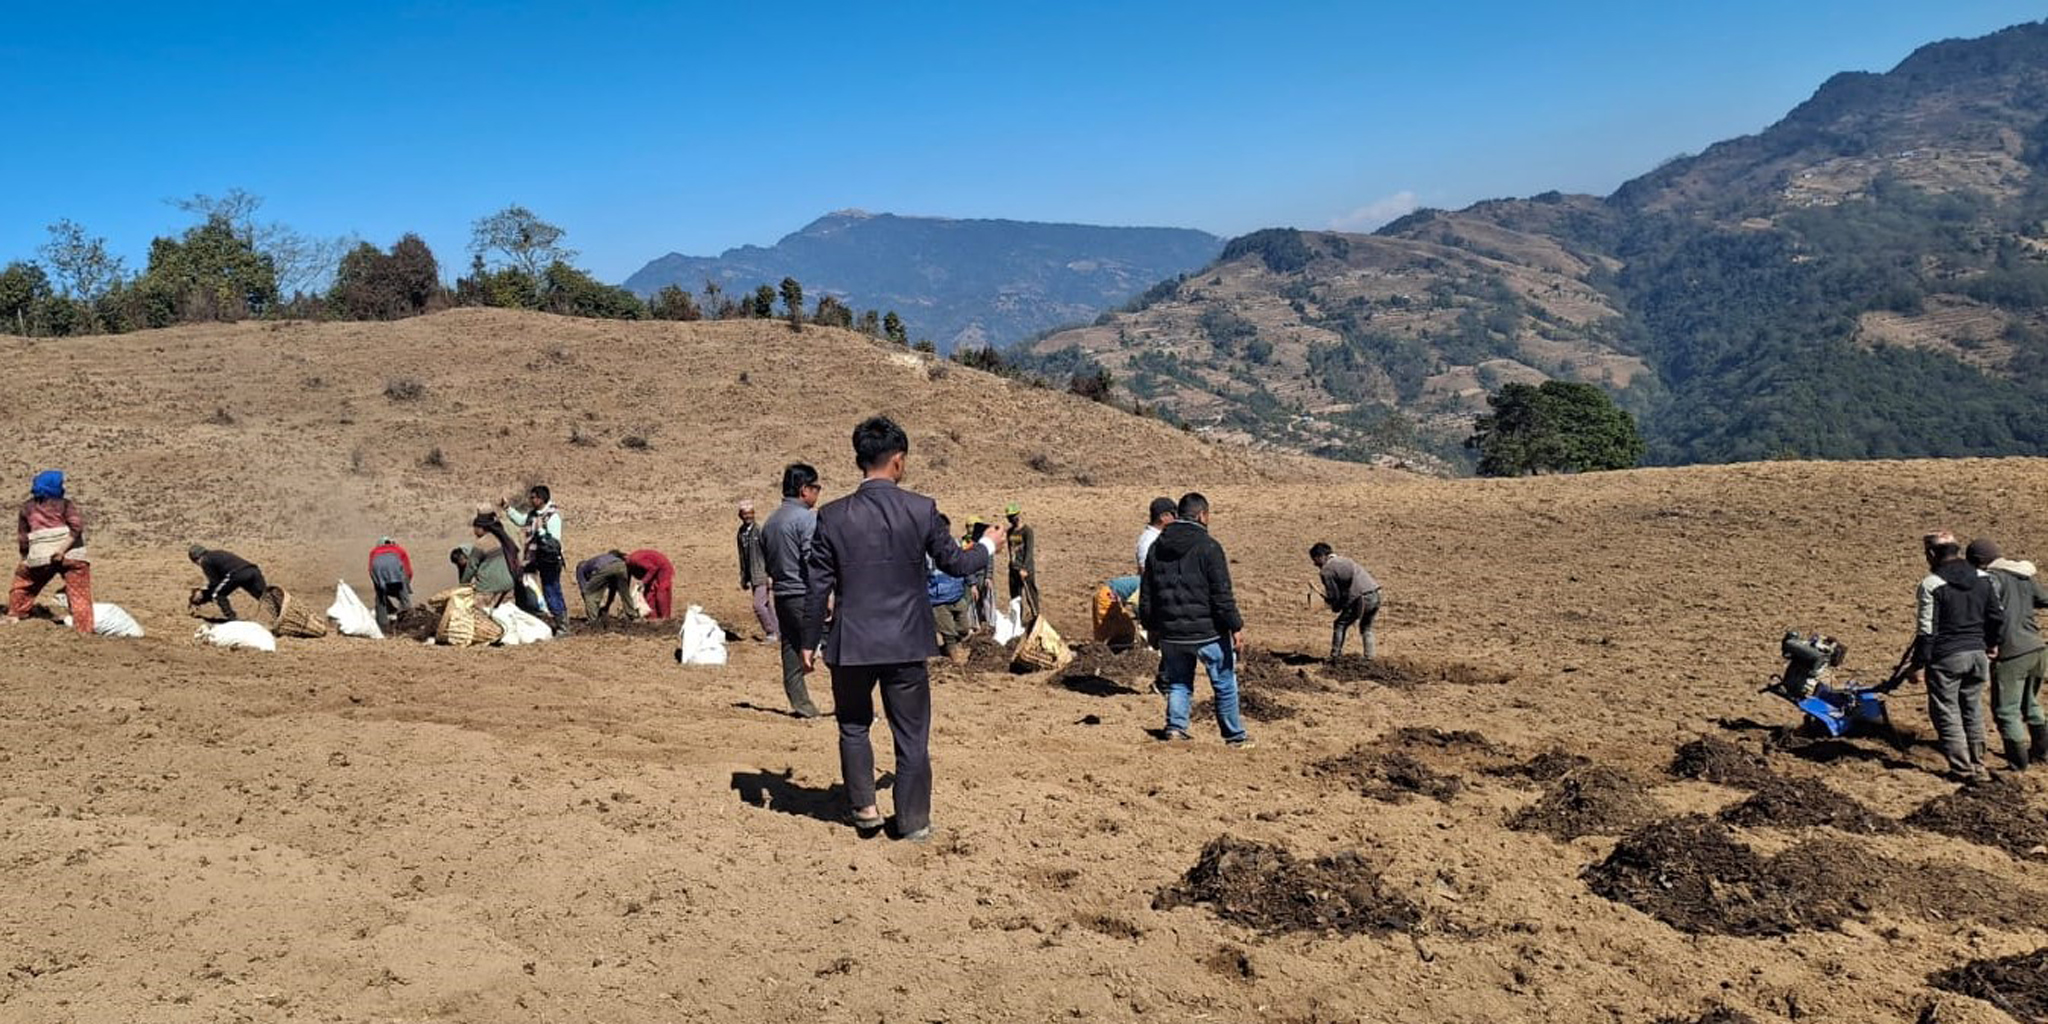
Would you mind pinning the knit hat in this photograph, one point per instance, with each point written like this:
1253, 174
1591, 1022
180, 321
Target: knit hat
747, 506
195, 551
1982, 552
383, 540
1013, 509
48, 484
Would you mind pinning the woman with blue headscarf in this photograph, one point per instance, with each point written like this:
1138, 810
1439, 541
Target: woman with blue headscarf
51, 535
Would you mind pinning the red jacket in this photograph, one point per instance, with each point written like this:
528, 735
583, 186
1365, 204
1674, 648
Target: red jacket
392, 549
652, 566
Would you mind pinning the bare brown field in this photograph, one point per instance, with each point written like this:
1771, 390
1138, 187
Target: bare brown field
583, 831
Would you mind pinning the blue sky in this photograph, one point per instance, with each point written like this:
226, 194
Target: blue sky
644, 128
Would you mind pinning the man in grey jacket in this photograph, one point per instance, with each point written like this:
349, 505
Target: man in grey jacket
785, 546
2022, 656
1352, 593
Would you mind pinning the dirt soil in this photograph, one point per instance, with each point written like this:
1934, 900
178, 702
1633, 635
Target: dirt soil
1717, 1015
1402, 764
1806, 803
1693, 875
1548, 766
1403, 672
2006, 815
2017, 984
1264, 887
1596, 800
1712, 759
585, 831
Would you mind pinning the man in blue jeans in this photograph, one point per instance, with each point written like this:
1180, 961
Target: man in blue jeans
1191, 615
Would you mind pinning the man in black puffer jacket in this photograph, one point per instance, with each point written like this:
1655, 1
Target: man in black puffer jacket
1960, 623
1190, 614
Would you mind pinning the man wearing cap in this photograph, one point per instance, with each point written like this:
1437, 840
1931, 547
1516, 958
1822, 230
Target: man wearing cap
1157, 518
1023, 564
2022, 659
1959, 626
391, 578
754, 572
50, 532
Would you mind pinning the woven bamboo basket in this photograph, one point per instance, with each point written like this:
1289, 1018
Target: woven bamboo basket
487, 630
301, 621
270, 611
458, 625
1042, 650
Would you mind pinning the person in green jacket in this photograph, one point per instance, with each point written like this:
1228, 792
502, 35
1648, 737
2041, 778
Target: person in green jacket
2022, 660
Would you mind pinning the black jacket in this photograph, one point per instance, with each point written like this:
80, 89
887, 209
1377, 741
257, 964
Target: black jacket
219, 565
1184, 595
1959, 612
870, 550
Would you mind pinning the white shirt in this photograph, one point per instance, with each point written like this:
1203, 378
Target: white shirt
1145, 542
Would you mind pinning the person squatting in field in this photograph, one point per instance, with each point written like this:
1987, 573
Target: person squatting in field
226, 573
391, 579
657, 576
50, 533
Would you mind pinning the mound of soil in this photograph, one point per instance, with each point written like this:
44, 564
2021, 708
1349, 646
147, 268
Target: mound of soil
1717, 1015
1267, 670
416, 623
1999, 815
1406, 673
2016, 984
985, 655
1691, 874
1265, 888
1598, 800
1392, 776
1133, 667
1251, 704
1932, 890
1710, 759
1548, 766
1785, 803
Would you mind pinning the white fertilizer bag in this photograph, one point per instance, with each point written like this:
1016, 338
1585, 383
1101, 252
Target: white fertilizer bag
1009, 626
111, 620
519, 627
352, 617
701, 641
246, 636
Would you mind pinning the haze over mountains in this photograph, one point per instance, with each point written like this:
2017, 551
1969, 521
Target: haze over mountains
1865, 278
956, 282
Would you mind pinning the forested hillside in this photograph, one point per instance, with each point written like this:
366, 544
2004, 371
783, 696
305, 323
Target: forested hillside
1866, 278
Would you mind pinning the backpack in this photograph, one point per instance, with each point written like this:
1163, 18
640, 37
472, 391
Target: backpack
545, 553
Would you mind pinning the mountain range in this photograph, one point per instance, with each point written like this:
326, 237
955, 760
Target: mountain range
1868, 277
955, 282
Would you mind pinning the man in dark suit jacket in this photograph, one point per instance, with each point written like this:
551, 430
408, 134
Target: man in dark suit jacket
870, 550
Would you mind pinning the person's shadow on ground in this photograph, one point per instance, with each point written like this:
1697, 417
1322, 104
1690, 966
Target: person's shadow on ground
778, 792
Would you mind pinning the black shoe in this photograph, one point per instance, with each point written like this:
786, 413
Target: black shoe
2015, 755
922, 835
1169, 735
2039, 750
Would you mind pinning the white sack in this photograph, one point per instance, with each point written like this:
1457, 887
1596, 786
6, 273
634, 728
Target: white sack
238, 636
1009, 626
111, 620
519, 627
352, 617
701, 640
